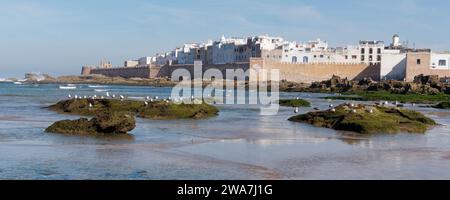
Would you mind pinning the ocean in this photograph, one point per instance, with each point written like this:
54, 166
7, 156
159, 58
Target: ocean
237, 144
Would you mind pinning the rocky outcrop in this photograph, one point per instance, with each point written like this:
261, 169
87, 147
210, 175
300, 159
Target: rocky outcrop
151, 110
294, 103
103, 123
442, 105
430, 85
367, 119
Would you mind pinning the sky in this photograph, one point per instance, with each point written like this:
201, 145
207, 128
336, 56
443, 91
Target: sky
58, 37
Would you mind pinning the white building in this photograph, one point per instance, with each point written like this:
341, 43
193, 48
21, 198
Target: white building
131, 63
145, 61
393, 65
371, 51
440, 60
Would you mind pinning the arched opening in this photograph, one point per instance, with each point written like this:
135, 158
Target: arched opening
294, 59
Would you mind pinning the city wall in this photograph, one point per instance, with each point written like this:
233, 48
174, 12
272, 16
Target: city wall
308, 73
305, 73
125, 72
167, 70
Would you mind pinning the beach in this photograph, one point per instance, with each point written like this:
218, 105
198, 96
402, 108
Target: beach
237, 144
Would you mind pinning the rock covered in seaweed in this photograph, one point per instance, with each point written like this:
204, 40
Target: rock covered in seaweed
153, 110
294, 103
366, 119
103, 123
442, 105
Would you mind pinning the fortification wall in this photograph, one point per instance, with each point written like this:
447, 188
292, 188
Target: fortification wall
308, 73
127, 72
166, 71
305, 73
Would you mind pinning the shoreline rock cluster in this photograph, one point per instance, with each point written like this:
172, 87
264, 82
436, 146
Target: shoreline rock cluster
102, 123
366, 119
426, 85
117, 116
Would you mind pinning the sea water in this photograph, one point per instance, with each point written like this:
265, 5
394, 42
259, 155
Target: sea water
237, 144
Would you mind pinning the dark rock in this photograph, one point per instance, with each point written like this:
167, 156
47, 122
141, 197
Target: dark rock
294, 103
366, 119
426, 79
365, 81
103, 123
154, 110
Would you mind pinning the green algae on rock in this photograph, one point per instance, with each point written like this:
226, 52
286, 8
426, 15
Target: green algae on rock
294, 103
442, 105
366, 119
103, 123
153, 110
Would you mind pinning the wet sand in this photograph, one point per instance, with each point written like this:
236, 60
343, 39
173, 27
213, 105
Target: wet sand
237, 144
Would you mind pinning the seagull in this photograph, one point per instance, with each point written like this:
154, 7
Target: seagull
85, 97
353, 111
70, 96
156, 97
331, 106
371, 111
122, 97
113, 96
76, 96
147, 98
145, 103
333, 110
296, 110
90, 105
95, 96
107, 94
298, 98
102, 97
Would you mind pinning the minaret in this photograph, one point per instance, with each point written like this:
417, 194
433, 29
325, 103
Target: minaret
396, 41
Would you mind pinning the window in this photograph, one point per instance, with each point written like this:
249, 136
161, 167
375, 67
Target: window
363, 51
363, 58
370, 58
305, 59
294, 59
354, 57
419, 61
442, 62
378, 58
370, 51
346, 57
321, 56
379, 50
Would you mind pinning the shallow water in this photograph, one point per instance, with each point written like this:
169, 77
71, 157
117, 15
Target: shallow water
237, 144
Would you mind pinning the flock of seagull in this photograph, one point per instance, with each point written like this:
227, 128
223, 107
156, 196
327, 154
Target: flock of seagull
122, 98
156, 98
352, 105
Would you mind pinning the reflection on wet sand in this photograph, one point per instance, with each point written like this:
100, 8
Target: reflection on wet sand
239, 143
